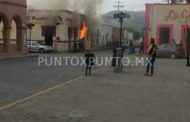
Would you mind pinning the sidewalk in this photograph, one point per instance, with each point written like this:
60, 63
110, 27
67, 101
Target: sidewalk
109, 97
16, 56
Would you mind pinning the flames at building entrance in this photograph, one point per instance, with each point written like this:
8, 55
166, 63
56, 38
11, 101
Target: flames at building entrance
84, 31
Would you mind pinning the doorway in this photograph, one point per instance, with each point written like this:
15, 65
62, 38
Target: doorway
49, 33
164, 34
184, 32
185, 36
49, 38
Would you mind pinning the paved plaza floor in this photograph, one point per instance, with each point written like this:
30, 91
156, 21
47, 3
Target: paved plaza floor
109, 97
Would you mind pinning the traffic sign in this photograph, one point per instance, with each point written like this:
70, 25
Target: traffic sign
121, 15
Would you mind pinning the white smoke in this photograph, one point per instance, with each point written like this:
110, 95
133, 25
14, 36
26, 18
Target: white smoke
88, 7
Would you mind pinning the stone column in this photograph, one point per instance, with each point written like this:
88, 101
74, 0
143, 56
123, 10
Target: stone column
19, 39
22, 40
6, 38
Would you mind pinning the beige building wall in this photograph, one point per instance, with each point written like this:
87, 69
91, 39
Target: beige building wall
174, 15
104, 36
46, 18
72, 20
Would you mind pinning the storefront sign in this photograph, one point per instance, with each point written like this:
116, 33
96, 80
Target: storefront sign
176, 15
58, 20
38, 19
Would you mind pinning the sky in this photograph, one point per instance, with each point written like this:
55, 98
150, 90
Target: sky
130, 5
107, 5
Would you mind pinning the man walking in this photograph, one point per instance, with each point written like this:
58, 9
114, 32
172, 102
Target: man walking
89, 59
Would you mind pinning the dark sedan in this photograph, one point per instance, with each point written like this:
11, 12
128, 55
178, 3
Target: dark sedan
170, 51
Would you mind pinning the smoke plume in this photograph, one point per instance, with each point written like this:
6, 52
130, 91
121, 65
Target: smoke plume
87, 7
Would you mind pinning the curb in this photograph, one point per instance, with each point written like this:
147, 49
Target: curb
18, 57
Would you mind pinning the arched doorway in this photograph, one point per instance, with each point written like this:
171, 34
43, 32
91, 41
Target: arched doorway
3, 33
16, 40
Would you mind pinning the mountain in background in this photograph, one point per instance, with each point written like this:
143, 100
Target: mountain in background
136, 20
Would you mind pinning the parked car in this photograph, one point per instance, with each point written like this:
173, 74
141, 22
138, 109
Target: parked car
170, 51
34, 46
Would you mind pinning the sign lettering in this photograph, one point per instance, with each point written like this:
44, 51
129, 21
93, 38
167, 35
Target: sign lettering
176, 15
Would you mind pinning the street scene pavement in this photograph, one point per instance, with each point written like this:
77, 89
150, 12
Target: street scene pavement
21, 77
94, 61
64, 94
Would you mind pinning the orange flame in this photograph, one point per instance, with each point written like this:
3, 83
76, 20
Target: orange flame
84, 30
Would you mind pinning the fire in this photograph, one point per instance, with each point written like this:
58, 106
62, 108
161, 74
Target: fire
84, 30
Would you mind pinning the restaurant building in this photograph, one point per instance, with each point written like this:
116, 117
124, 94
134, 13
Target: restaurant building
67, 31
166, 22
55, 28
13, 26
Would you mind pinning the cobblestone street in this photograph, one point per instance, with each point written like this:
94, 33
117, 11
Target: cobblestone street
109, 97
94, 61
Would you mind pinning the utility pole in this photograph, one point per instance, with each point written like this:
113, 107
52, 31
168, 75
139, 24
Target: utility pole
121, 16
118, 5
118, 52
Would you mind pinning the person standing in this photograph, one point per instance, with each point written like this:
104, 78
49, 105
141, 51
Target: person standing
141, 49
173, 44
151, 57
89, 59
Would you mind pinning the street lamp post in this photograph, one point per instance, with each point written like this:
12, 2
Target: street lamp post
121, 16
30, 26
118, 52
121, 30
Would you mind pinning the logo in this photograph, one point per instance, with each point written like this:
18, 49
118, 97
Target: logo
58, 20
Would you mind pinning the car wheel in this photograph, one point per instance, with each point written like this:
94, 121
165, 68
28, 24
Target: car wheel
41, 51
173, 56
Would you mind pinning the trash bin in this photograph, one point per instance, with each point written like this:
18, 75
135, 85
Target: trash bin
119, 55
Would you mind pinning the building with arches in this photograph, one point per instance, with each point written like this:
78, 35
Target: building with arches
13, 26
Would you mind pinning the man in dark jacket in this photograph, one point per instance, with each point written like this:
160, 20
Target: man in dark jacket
89, 59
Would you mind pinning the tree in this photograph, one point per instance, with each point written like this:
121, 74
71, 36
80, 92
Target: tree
187, 1
175, 1
136, 34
